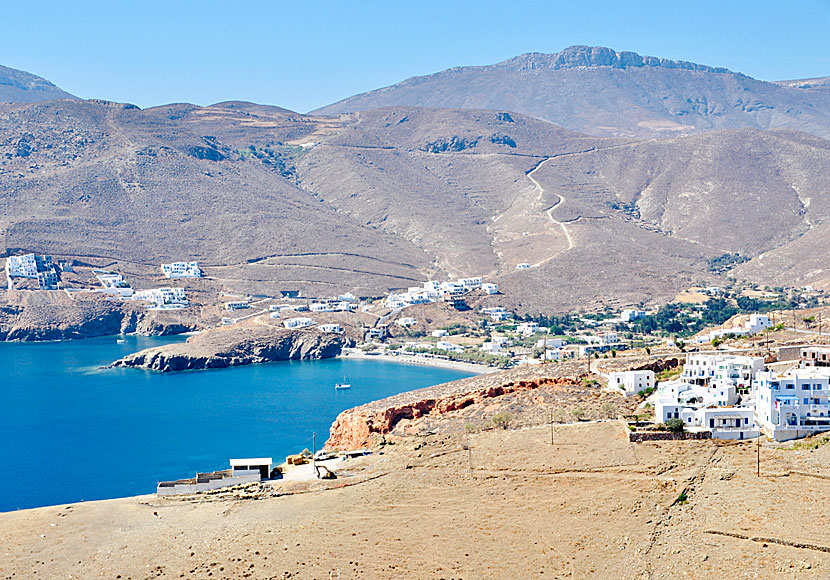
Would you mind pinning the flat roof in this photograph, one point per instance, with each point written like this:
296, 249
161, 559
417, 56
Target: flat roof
251, 461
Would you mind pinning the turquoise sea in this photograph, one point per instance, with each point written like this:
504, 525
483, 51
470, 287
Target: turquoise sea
70, 431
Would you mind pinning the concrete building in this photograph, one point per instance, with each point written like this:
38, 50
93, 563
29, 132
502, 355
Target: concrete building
163, 297
241, 471
706, 409
793, 404
704, 369
489, 288
632, 315
331, 328
33, 267
406, 322
299, 322
550, 343
631, 382
182, 270
815, 356
439, 333
237, 305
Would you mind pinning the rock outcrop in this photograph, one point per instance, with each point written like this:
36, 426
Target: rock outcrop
355, 427
27, 316
235, 346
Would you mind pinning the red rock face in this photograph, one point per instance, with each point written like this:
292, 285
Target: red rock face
353, 427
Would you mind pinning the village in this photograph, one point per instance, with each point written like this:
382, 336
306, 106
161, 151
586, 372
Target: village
725, 388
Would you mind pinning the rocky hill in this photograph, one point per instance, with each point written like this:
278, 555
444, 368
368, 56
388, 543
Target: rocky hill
600, 91
22, 87
270, 200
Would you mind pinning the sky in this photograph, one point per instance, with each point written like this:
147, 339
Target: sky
304, 54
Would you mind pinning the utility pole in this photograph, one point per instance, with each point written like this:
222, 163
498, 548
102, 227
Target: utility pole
551, 427
758, 459
314, 452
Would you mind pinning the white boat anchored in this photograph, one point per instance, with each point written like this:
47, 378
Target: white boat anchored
346, 384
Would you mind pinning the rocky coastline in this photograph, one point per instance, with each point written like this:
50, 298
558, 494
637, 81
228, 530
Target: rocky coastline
235, 346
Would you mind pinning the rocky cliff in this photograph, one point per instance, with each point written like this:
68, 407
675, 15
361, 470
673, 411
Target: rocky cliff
355, 427
34, 316
237, 345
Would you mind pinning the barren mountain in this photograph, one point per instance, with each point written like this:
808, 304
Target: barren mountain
269, 200
22, 87
599, 91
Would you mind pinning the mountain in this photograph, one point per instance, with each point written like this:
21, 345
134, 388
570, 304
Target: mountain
270, 200
599, 91
22, 87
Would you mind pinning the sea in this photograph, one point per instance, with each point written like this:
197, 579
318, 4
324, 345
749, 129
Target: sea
72, 431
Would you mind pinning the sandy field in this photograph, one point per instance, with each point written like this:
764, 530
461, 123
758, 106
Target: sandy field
581, 502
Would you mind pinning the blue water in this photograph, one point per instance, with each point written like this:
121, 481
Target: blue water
70, 431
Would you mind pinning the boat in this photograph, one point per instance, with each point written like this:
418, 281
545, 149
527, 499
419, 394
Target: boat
346, 384
120, 340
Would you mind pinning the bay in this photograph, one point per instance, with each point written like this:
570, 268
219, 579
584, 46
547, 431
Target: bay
70, 431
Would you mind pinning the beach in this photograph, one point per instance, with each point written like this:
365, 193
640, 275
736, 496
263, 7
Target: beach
422, 360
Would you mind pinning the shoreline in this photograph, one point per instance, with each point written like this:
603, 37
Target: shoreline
421, 361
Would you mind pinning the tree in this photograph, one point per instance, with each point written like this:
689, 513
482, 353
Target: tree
560, 415
578, 413
675, 425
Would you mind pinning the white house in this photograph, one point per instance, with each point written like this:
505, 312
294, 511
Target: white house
347, 297
275, 314
406, 322
237, 305
470, 283
528, 328
113, 283
756, 323
793, 404
321, 307
182, 270
448, 346
439, 333
490, 288
331, 328
36, 267
500, 316
705, 408
550, 343
491, 347
299, 322
703, 369
631, 315
631, 382
162, 296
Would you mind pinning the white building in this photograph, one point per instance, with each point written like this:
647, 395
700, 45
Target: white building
704, 369
299, 322
756, 323
347, 297
631, 382
113, 283
490, 288
237, 305
275, 314
603, 338
35, 267
321, 307
491, 347
406, 322
705, 408
500, 316
793, 404
522, 266
448, 346
631, 315
528, 328
470, 283
161, 297
182, 270
331, 328
550, 343
439, 333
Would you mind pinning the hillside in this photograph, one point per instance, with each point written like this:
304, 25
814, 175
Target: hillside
270, 200
22, 87
602, 92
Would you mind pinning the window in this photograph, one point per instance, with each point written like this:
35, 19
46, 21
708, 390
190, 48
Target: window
805, 386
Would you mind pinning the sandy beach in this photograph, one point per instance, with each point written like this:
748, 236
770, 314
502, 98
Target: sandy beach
421, 360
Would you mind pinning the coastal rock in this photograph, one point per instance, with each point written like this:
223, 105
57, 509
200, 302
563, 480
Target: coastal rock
27, 316
353, 428
235, 346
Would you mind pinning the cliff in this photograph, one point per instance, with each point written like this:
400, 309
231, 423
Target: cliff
526, 392
237, 345
35, 316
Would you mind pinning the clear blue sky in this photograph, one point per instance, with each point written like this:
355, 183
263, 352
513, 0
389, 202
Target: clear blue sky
305, 54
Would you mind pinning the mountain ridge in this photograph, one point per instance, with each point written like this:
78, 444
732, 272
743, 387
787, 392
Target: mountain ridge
25, 87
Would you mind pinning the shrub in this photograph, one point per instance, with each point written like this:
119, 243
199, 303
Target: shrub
578, 413
609, 409
502, 419
675, 425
